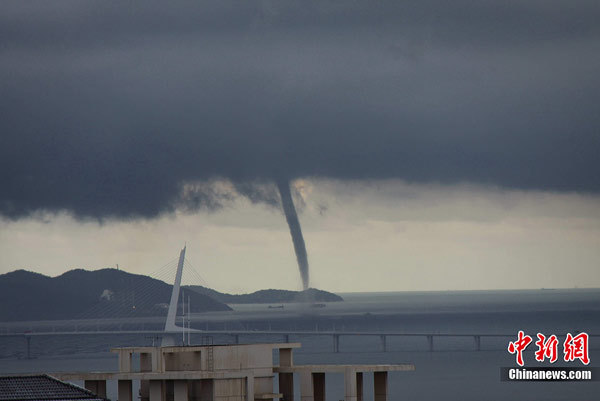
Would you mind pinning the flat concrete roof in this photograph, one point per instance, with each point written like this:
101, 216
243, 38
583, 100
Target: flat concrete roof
227, 374
169, 375
192, 348
343, 368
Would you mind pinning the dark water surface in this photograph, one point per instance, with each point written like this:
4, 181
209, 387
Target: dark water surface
453, 371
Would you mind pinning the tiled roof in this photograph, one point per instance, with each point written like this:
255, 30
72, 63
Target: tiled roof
41, 388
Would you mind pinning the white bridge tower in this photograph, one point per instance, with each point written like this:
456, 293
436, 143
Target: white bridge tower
172, 314
170, 327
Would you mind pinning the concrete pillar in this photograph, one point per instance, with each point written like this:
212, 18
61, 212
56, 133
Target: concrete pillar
124, 390
383, 338
286, 357
350, 393
306, 386
250, 388
124, 361
430, 342
180, 390
163, 362
156, 390
478, 343
97, 387
380, 386
319, 386
157, 360
28, 339
286, 386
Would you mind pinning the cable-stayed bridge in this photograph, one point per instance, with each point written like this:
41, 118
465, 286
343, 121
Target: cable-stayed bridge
188, 328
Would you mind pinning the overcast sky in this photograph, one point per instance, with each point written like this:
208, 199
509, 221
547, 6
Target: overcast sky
431, 144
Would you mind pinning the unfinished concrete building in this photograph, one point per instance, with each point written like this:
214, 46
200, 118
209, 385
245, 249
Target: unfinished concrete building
238, 372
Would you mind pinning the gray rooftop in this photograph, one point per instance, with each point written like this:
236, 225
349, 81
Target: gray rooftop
41, 388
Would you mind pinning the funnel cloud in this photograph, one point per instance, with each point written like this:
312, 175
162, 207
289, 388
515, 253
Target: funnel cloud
295, 230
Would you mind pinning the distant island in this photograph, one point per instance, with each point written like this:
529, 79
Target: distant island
269, 296
106, 293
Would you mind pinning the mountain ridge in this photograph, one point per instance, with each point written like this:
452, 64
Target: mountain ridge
79, 293
106, 293
268, 296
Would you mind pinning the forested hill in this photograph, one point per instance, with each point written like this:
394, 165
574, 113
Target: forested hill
107, 293
269, 296
26, 295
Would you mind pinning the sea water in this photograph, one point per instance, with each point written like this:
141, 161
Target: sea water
454, 370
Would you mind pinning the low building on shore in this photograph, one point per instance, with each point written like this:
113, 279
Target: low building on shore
236, 372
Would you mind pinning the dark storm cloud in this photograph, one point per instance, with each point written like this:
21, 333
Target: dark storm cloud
108, 109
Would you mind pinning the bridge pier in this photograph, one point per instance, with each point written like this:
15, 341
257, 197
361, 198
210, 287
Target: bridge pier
336, 343
28, 339
430, 342
383, 338
477, 343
